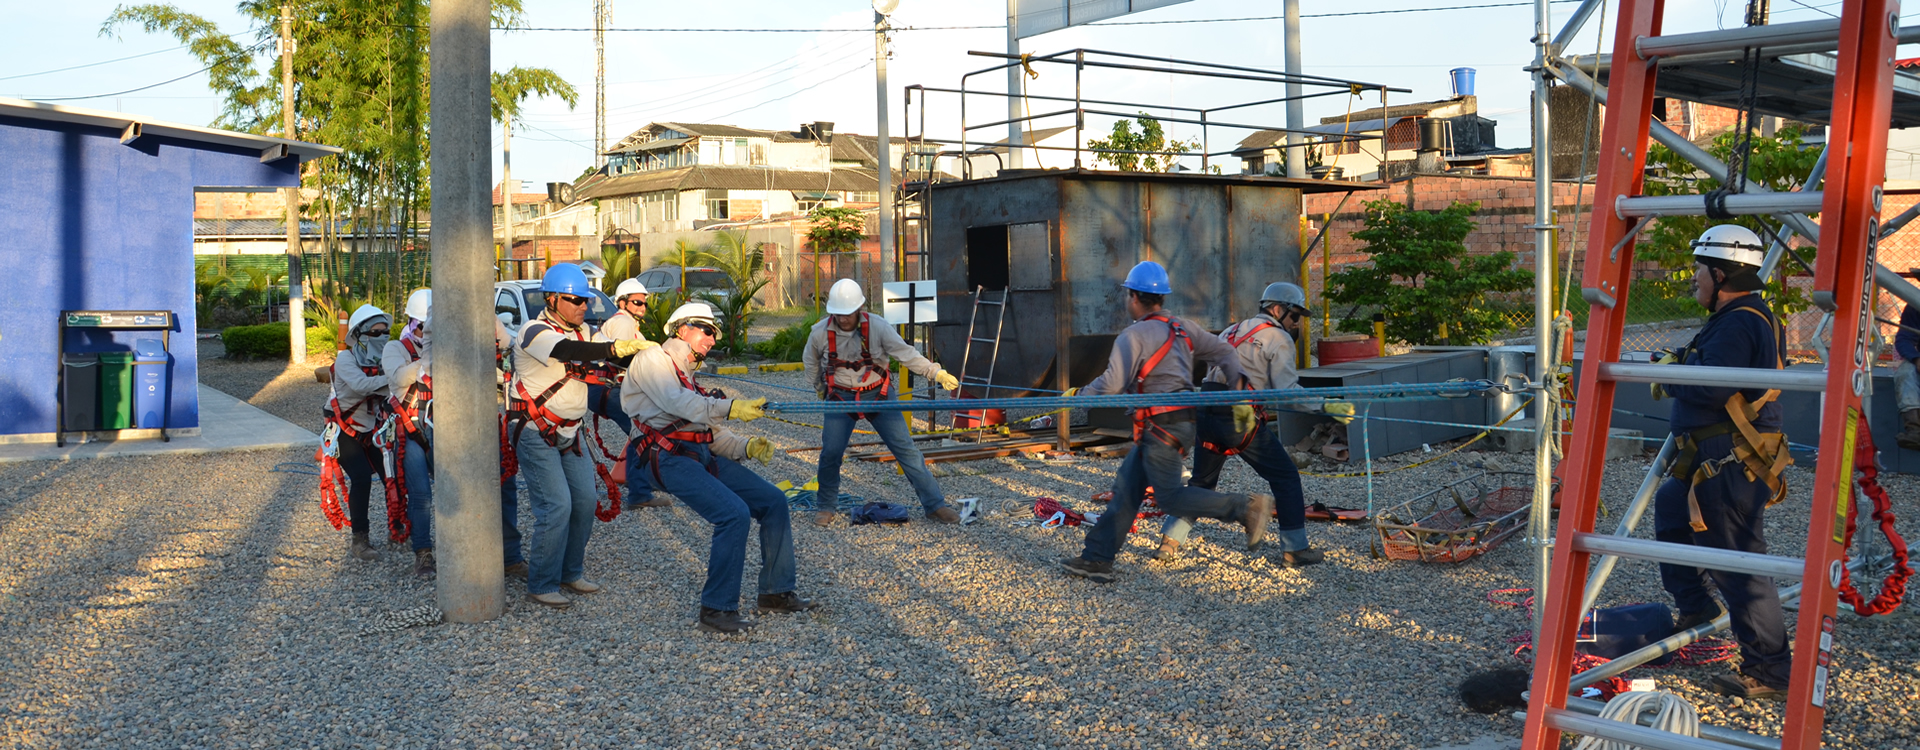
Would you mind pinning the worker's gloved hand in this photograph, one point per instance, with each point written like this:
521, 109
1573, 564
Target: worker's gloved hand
630, 347
747, 409
1071, 391
946, 381
1666, 358
820, 392
760, 449
1244, 419
1341, 411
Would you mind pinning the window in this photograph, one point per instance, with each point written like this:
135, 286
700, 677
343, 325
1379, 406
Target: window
853, 197
987, 257
716, 204
503, 305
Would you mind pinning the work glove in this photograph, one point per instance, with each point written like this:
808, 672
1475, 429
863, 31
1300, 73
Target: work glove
1244, 419
630, 347
946, 381
1071, 391
1341, 411
760, 449
747, 409
1665, 358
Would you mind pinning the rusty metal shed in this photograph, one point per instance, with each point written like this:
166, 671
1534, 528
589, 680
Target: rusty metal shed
1061, 241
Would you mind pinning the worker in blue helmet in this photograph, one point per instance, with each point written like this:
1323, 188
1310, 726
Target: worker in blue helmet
1726, 472
1156, 355
546, 401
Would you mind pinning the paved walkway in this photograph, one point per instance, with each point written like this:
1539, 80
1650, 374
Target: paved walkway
226, 424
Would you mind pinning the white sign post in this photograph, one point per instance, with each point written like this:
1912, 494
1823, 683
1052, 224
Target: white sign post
910, 303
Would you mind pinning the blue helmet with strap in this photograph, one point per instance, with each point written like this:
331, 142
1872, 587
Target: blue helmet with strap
1147, 276
566, 278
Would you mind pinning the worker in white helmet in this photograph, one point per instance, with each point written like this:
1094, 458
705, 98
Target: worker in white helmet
687, 452
846, 360
1265, 345
630, 301
356, 409
1727, 469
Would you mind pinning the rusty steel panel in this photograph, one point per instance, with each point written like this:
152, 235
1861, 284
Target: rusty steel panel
1263, 227
1101, 236
1187, 233
1027, 342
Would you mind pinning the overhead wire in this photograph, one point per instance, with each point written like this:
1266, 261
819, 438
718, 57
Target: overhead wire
722, 89
247, 50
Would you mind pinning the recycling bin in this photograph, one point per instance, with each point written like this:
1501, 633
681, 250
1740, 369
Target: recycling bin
80, 399
116, 390
150, 360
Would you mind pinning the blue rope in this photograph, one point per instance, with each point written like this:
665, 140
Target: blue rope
809, 500
296, 467
1530, 430
1366, 450
1395, 392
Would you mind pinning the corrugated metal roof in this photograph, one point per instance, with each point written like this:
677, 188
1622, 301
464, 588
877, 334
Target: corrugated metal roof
654, 145
732, 178
31, 110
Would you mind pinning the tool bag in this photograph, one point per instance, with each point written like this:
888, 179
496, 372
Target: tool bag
1613, 632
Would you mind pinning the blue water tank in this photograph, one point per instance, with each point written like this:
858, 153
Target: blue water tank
1462, 81
150, 360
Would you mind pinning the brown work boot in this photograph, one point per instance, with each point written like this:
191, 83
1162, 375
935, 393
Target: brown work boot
788, 602
1259, 511
653, 502
1302, 557
824, 518
361, 548
517, 570
722, 621
1743, 686
1169, 549
423, 567
945, 514
1909, 437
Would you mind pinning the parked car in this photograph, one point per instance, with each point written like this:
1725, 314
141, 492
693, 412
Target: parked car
695, 281
516, 302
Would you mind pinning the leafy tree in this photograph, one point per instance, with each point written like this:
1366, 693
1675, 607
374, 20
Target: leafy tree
745, 266
514, 86
835, 230
1780, 163
1161, 154
1422, 277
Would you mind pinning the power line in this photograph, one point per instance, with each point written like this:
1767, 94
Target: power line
862, 66
245, 51
93, 64
775, 68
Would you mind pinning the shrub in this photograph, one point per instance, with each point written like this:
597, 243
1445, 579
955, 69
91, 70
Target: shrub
789, 343
1423, 278
270, 341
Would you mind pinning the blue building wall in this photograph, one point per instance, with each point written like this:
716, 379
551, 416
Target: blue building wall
89, 223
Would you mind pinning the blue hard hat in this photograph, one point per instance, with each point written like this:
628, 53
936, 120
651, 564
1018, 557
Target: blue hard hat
1147, 276
566, 278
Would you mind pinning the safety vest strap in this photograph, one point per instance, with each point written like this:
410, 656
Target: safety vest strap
865, 364
1236, 338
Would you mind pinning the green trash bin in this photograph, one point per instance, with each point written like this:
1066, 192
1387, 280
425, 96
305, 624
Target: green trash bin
116, 390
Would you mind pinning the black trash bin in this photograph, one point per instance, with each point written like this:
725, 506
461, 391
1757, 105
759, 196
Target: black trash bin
80, 401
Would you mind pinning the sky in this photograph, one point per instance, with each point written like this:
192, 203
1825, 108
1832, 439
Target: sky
824, 69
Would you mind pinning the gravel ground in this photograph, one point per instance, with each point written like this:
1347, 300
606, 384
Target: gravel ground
204, 602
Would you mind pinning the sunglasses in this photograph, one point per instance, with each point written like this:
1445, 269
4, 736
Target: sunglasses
634, 301
378, 332
706, 329
572, 300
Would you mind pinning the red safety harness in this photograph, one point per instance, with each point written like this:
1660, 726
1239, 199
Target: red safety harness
867, 365
1143, 416
524, 407
672, 438
333, 478
1235, 338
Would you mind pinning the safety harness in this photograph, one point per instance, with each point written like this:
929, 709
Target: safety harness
1763, 455
1235, 338
333, 477
1143, 416
673, 437
524, 407
866, 365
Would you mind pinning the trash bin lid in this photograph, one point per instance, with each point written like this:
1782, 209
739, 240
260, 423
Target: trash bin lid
80, 359
149, 349
116, 358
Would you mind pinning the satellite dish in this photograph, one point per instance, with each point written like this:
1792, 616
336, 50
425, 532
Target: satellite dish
885, 7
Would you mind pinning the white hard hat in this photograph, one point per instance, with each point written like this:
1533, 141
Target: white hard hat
1284, 293
419, 303
365, 316
1731, 242
692, 312
630, 286
845, 298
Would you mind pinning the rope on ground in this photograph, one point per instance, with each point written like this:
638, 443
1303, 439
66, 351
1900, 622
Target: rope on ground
1672, 713
296, 467
809, 500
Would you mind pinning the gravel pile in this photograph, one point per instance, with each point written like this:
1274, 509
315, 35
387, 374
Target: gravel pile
203, 601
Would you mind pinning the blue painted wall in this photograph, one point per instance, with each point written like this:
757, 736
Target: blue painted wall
89, 223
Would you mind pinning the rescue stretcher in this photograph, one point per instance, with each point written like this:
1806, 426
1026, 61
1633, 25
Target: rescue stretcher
1457, 521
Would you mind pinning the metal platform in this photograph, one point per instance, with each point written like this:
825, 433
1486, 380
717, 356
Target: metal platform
1796, 87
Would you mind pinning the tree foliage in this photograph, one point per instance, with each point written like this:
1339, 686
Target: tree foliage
1422, 278
836, 229
1161, 155
1779, 163
513, 87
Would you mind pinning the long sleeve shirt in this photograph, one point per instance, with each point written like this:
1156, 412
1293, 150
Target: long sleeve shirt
1907, 343
1139, 341
652, 394
1266, 357
882, 343
359, 390
621, 327
403, 368
537, 367
1742, 333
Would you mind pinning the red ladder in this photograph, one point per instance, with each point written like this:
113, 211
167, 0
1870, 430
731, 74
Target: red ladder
1849, 209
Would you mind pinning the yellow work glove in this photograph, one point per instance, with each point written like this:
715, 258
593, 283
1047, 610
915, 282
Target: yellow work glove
747, 409
1071, 391
760, 449
630, 347
1244, 420
1665, 358
1339, 410
946, 381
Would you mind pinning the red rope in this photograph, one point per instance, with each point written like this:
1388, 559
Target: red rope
611, 510
1894, 588
509, 460
1044, 508
399, 525
332, 478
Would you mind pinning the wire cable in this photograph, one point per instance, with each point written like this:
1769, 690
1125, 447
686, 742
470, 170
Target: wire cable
246, 51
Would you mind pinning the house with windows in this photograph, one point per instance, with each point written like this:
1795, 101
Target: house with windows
1354, 146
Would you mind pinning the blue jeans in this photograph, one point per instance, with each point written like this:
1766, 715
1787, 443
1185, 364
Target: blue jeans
605, 401
1906, 385
731, 498
419, 464
1155, 463
1268, 459
892, 426
1734, 510
560, 484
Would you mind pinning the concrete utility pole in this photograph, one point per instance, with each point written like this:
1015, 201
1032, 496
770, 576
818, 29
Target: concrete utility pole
471, 586
600, 83
1540, 522
1015, 135
296, 297
883, 144
1296, 110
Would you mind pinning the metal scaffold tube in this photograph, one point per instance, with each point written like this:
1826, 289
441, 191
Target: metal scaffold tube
1741, 204
1539, 519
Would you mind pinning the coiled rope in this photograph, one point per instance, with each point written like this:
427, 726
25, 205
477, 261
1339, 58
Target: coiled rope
1672, 713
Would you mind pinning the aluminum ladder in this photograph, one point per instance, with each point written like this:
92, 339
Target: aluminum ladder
984, 383
1865, 38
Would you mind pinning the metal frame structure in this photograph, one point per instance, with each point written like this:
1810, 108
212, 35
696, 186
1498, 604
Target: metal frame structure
1845, 275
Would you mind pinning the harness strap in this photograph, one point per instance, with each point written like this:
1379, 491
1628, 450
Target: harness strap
865, 364
1143, 416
